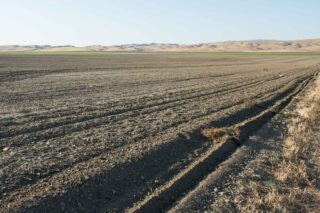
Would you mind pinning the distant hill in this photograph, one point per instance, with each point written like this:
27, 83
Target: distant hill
310, 45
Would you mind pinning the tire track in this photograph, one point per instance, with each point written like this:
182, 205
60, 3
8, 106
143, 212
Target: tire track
164, 196
74, 197
95, 161
58, 168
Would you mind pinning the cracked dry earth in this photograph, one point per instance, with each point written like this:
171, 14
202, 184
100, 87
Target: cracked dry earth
104, 133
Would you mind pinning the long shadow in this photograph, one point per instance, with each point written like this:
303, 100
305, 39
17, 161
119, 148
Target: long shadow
169, 195
226, 176
125, 184
120, 184
234, 118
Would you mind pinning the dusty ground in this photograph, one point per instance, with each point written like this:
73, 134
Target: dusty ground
275, 170
286, 179
118, 132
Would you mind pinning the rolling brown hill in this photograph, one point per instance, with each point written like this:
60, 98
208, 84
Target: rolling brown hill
310, 45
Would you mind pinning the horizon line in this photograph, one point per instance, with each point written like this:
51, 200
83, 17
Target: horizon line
164, 43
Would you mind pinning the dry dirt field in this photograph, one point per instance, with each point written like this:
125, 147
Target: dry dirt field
116, 132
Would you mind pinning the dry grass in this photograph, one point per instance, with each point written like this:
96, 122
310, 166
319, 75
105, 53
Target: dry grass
213, 133
288, 180
251, 102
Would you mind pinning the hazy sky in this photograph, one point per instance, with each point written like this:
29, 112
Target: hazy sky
79, 22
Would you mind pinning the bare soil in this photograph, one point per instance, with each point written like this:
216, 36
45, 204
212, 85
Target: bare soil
123, 131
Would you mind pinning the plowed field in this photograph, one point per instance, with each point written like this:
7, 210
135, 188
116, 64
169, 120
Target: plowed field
121, 132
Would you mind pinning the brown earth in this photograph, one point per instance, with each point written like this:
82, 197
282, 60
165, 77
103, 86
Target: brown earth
276, 169
123, 131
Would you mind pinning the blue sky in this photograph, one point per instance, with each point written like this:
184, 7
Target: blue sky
60, 22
